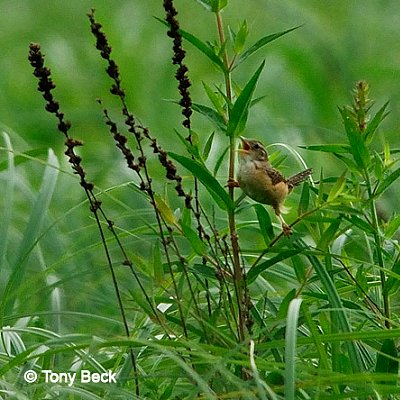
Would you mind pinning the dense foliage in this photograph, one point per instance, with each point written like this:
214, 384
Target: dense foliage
164, 274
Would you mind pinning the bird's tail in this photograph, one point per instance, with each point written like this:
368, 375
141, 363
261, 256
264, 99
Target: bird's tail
298, 178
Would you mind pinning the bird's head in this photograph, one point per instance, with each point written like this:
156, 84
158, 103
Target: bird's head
251, 149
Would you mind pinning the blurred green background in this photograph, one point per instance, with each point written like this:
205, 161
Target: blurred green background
308, 73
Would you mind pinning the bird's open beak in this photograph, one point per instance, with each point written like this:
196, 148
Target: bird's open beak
244, 146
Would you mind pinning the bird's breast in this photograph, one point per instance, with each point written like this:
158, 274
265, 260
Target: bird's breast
256, 183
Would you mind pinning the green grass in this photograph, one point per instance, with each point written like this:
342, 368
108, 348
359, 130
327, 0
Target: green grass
179, 287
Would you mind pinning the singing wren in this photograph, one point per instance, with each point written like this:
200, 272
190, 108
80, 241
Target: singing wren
263, 183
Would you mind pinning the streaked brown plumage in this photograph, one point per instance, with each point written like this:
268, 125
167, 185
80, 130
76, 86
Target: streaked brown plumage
263, 183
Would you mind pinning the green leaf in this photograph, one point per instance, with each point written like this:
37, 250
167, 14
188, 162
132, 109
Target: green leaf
343, 208
205, 271
213, 5
392, 227
211, 184
388, 365
321, 188
139, 300
375, 122
299, 268
387, 154
211, 114
257, 100
329, 234
304, 199
200, 45
362, 281
192, 148
219, 161
338, 187
343, 363
240, 38
358, 222
215, 99
284, 306
259, 268
208, 145
205, 3
218, 5
165, 210
348, 162
242, 123
261, 43
226, 99
239, 112
206, 50
158, 269
392, 285
265, 223
196, 243
167, 394
385, 184
358, 147
379, 166
329, 148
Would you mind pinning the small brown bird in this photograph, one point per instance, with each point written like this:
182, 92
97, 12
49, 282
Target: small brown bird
261, 182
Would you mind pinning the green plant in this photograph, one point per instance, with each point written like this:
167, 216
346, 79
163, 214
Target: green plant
220, 306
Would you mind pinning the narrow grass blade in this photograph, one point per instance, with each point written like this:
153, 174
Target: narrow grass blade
336, 304
257, 269
290, 349
8, 198
263, 388
21, 158
32, 233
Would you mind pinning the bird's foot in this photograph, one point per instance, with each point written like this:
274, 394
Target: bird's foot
232, 183
286, 229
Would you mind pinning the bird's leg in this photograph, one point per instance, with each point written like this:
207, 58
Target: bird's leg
287, 230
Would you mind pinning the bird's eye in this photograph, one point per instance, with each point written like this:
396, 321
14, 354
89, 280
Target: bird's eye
256, 146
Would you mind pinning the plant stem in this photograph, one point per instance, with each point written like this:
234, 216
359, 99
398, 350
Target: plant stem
237, 269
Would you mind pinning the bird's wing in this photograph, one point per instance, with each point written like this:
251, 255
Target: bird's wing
275, 175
